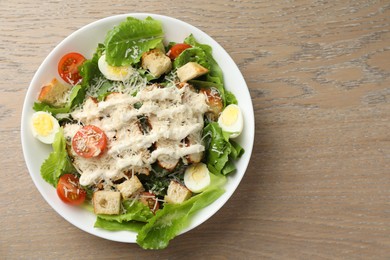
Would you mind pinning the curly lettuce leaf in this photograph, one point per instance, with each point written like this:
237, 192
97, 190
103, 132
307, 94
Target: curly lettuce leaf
58, 161
173, 218
126, 42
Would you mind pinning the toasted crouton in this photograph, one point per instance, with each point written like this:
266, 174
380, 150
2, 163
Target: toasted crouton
156, 62
53, 93
106, 202
177, 193
190, 71
130, 187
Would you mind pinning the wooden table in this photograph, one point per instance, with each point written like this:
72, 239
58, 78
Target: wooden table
318, 184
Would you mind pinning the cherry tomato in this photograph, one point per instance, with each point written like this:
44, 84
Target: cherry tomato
69, 190
150, 200
68, 67
176, 49
89, 141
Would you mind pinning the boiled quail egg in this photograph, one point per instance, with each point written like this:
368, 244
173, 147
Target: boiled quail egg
231, 120
44, 127
197, 177
116, 73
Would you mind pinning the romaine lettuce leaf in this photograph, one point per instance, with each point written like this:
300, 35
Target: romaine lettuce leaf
117, 226
202, 54
77, 95
220, 149
135, 210
168, 221
58, 161
173, 218
215, 75
126, 42
194, 54
89, 70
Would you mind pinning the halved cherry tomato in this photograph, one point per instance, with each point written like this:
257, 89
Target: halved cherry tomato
69, 190
176, 49
89, 141
150, 200
68, 67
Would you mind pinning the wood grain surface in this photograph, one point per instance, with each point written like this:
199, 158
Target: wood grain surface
318, 184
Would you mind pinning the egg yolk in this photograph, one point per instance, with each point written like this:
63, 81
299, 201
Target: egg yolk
229, 115
198, 173
118, 71
43, 125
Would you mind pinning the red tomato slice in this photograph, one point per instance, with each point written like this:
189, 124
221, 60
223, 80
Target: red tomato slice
150, 200
69, 190
89, 141
176, 49
68, 67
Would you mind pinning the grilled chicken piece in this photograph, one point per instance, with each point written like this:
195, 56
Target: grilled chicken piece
165, 161
214, 101
194, 157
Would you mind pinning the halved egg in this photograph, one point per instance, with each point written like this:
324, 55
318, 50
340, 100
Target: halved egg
120, 73
197, 177
44, 127
231, 120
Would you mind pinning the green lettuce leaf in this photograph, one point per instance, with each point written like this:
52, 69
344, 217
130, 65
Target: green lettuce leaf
134, 211
220, 150
89, 70
202, 54
215, 75
126, 42
58, 161
194, 54
117, 226
77, 95
173, 218
230, 98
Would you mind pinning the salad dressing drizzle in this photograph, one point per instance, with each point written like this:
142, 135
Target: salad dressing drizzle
174, 114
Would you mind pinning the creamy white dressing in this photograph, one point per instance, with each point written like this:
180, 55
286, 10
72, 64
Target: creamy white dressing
173, 114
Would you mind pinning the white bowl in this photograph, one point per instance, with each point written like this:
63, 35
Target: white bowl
85, 41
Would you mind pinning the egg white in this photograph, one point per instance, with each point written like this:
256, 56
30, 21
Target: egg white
49, 137
121, 73
231, 120
197, 177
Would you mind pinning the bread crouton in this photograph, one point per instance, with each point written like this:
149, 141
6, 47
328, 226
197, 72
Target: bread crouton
177, 193
106, 202
53, 93
190, 71
130, 187
156, 62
